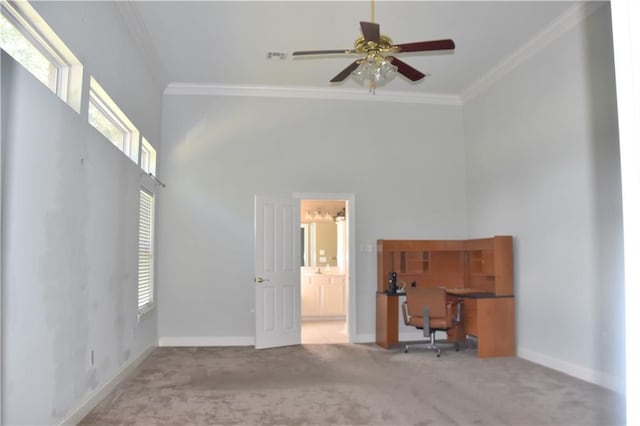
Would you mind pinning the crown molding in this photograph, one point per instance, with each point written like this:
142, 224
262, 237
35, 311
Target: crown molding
559, 26
197, 89
143, 41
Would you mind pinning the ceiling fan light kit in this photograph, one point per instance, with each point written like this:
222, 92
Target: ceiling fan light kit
376, 69
377, 64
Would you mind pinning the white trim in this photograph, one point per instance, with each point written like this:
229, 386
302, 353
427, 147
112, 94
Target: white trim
93, 398
559, 26
365, 338
333, 93
350, 199
599, 378
38, 33
105, 105
324, 318
206, 341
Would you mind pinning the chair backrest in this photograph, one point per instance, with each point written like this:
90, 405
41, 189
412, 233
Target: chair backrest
435, 298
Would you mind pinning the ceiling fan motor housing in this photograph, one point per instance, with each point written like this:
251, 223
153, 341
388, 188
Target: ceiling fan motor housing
384, 44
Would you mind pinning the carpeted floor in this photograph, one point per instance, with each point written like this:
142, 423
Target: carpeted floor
319, 332
350, 385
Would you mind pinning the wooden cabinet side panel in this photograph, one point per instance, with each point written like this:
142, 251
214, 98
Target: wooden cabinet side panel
470, 316
386, 320
496, 327
383, 267
504, 266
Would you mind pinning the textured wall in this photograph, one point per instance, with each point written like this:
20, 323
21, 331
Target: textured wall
70, 206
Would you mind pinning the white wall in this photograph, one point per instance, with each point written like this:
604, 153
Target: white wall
404, 163
69, 219
543, 166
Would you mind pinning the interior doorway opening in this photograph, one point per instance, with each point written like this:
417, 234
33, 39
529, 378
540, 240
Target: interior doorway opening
324, 273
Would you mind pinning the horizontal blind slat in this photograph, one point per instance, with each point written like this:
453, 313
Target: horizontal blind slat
145, 250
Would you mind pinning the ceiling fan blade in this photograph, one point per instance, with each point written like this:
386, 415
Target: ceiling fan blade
345, 72
405, 69
321, 52
424, 46
370, 31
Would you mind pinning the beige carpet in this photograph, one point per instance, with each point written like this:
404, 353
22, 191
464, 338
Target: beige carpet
350, 385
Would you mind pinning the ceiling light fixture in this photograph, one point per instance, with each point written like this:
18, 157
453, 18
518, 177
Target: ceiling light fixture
317, 216
377, 63
376, 69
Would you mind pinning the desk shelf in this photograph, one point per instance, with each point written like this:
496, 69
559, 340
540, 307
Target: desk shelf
485, 264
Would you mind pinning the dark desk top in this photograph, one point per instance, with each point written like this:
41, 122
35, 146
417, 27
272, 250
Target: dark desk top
478, 295
467, 293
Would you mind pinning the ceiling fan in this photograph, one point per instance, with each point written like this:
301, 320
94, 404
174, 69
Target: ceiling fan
377, 62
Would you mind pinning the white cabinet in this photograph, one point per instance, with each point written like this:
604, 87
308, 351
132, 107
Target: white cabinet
323, 295
310, 294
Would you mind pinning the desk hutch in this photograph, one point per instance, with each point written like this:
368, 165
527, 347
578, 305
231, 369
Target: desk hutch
479, 270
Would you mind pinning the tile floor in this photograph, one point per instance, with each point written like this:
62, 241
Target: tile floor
315, 332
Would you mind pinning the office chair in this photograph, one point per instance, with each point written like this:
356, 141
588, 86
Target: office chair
428, 309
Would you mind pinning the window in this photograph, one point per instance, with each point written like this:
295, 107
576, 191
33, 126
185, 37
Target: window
33, 44
109, 120
147, 157
145, 252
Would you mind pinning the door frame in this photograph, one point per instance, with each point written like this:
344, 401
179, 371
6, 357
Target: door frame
350, 200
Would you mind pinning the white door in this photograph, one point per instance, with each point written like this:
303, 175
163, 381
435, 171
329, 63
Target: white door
277, 272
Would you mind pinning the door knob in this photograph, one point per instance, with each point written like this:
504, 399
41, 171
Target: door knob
260, 280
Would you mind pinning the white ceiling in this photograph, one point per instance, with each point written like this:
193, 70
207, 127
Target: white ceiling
226, 42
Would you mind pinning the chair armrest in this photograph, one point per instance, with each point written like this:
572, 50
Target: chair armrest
405, 315
452, 316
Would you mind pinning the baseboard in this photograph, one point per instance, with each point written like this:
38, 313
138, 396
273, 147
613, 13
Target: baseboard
616, 384
206, 341
365, 338
324, 318
93, 398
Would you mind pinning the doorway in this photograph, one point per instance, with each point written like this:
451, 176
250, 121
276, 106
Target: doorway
326, 291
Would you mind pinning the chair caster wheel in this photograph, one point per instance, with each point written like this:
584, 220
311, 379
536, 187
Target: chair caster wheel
438, 355
457, 348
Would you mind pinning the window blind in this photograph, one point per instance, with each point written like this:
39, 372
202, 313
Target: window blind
145, 251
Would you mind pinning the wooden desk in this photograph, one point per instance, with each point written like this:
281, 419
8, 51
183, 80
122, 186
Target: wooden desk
480, 271
386, 319
489, 318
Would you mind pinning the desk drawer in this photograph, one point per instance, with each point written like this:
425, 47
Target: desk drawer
470, 316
